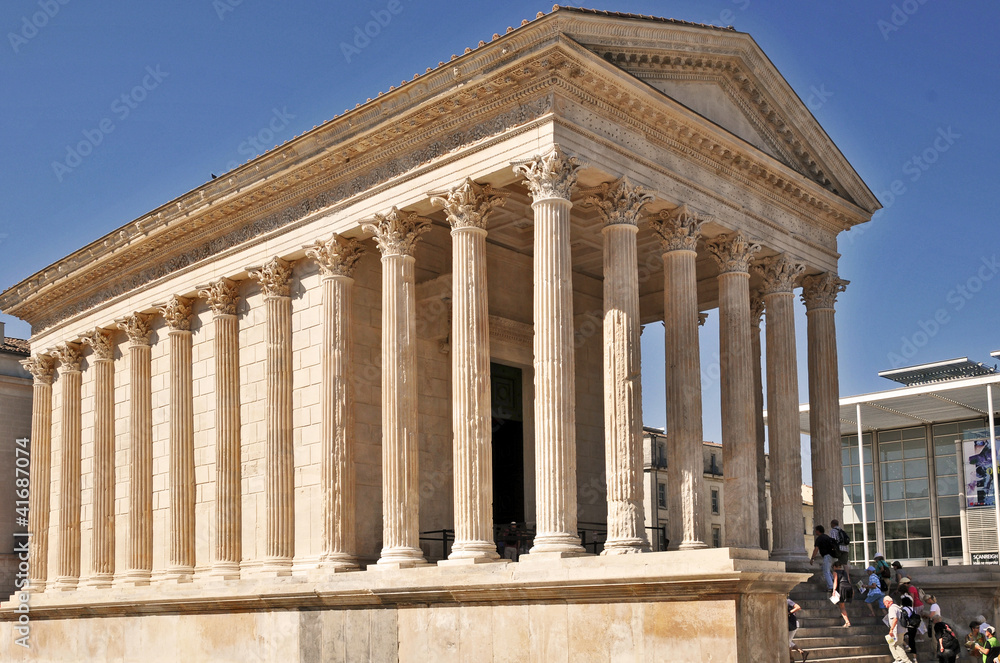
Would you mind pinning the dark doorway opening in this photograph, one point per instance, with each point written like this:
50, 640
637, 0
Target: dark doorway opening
508, 444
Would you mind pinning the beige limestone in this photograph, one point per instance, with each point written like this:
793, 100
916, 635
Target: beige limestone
396, 234
620, 204
468, 207
42, 369
819, 293
779, 274
733, 253
69, 357
550, 179
756, 357
679, 231
103, 530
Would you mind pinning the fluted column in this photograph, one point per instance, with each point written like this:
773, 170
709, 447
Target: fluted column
396, 234
336, 258
620, 204
177, 313
779, 275
279, 489
103, 558
733, 253
69, 491
221, 297
679, 230
41, 367
756, 312
820, 294
139, 551
550, 180
468, 207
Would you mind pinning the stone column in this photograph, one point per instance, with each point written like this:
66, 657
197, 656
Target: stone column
279, 490
177, 313
756, 313
733, 253
620, 204
779, 275
41, 367
679, 230
468, 207
139, 552
69, 490
103, 566
820, 294
222, 296
336, 258
550, 179
396, 234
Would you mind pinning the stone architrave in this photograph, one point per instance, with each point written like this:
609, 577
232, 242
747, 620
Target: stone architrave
337, 258
550, 179
222, 296
620, 204
819, 293
679, 231
103, 557
733, 253
42, 368
69, 356
274, 277
177, 313
396, 234
779, 274
139, 551
468, 207
756, 313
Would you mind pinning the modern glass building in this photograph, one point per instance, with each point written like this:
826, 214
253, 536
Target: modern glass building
922, 469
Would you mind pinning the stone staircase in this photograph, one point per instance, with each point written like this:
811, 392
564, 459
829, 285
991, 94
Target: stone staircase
822, 633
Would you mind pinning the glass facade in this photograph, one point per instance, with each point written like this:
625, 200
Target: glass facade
905, 485
946, 481
850, 460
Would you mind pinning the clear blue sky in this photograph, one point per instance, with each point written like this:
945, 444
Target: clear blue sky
202, 78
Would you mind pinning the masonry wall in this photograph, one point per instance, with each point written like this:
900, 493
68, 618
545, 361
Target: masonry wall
15, 423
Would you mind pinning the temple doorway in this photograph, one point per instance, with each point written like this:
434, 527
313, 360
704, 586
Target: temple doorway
508, 444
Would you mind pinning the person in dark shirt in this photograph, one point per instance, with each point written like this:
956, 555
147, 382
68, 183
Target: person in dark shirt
826, 549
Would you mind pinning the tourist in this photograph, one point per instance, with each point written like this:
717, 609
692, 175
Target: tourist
838, 534
911, 625
947, 643
873, 591
842, 586
793, 626
884, 571
895, 614
973, 638
987, 644
906, 587
898, 573
826, 548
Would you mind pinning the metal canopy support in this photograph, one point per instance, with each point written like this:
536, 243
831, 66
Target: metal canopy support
993, 454
861, 466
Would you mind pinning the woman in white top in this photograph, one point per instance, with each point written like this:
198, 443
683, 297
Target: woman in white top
934, 611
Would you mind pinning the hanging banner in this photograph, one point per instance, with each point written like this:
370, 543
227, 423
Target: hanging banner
978, 467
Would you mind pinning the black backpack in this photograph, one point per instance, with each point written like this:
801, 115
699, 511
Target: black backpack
949, 640
843, 538
912, 618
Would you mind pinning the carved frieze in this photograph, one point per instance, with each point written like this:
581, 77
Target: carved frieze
469, 204
397, 232
821, 290
619, 201
678, 229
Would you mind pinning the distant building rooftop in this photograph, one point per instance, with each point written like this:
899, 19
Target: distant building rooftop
938, 371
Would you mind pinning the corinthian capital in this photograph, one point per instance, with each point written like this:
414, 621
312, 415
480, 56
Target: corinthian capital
821, 290
69, 356
177, 313
397, 232
137, 327
619, 201
550, 176
335, 256
41, 367
779, 273
756, 307
469, 205
733, 252
221, 296
679, 229
100, 341
274, 277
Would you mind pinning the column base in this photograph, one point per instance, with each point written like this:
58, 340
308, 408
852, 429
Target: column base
793, 559
337, 563
35, 586
66, 583
472, 561
401, 557
625, 547
133, 578
692, 545
275, 567
101, 581
557, 543
179, 574
224, 571
482, 550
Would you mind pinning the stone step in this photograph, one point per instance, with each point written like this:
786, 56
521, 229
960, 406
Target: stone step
836, 621
817, 657
842, 637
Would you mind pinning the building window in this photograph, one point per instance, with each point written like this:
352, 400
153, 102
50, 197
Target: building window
715, 501
713, 464
716, 536
661, 455
852, 493
946, 471
906, 505
661, 495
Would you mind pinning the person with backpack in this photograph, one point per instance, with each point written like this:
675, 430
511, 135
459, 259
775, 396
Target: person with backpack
948, 646
895, 618
793, 626
842, 586
906, 588
838, 534
884, 571
825, 548
873, 591
911, 622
